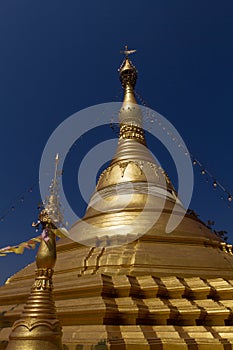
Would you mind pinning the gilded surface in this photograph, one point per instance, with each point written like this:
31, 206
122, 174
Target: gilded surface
166, 292
140, 310
38, 326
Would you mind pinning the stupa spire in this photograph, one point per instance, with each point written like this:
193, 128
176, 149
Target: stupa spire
128, 75
130, 116
52, 203
38, 326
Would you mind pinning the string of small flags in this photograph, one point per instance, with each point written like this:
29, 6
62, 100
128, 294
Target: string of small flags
19, 248
209, 177
31, 243
20, 198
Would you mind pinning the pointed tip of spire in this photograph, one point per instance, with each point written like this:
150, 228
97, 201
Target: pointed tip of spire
52, 213
127, 63
127, 71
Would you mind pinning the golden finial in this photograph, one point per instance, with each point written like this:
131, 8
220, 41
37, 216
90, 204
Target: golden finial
52, 203
130, 115
38, 326
128, 73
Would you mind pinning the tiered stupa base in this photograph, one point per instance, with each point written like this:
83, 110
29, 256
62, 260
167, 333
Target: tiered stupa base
132, 310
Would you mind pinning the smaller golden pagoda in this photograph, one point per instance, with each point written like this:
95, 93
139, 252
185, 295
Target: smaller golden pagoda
38, 326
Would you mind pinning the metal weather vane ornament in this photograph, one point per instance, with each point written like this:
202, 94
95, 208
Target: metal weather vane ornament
127, 52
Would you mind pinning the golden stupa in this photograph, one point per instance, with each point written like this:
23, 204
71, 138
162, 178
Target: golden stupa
123, 289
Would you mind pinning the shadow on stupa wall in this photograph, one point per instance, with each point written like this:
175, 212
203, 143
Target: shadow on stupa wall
101, 345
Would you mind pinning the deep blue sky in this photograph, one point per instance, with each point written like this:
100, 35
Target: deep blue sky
59, 57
